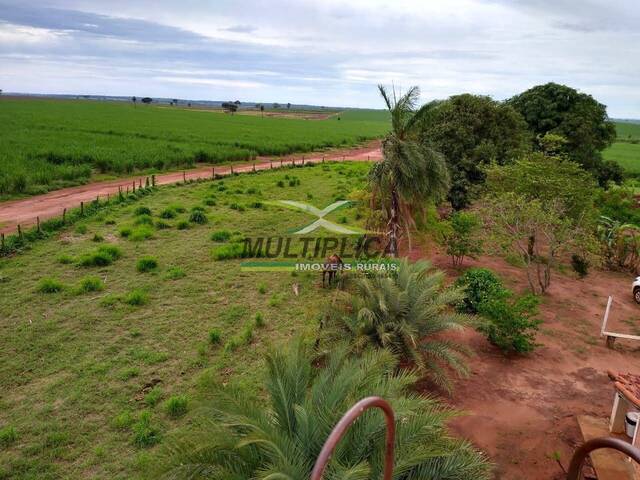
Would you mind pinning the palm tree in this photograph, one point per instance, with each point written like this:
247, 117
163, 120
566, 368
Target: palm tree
403, 314
411, 173
279, 437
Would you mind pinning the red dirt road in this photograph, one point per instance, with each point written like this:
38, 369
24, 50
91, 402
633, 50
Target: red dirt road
522, 410
24, 212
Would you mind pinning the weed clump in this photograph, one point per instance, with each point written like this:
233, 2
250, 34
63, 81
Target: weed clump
136, 298
198, 216
145, 434
101, 257
142, 211
50, 285
141, 233
215, 336
168, 213
90, 284
221, 236
175, 273
8, 436
146, 264
176, 406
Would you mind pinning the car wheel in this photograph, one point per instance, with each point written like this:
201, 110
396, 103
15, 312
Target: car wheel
636, 294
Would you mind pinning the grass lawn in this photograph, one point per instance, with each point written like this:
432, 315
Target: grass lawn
626, 154
99, 362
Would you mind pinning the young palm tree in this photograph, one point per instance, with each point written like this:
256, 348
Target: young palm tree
280, 437
411, 173
402, 314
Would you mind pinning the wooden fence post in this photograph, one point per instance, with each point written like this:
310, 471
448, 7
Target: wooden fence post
213, 173
271, 164
82, 209
139, 183
64, 215
1, 241
280, 163
184, 176
19, 232
303, 160
153, 180
254, 167
146, 182
38, 224
231, 169
323, 159
134, 187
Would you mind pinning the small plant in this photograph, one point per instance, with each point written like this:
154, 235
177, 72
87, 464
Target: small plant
177, 208
214, 336
125, 232
478, 284
168, 213
109, 301
142, 211
81, 229
152, 398
280, 184
50, 285
182, 225
97, 238
144, 433
262, 288
146, 264
101, 257
210, 202
236, 206
231, 345
275, 300
143, 220
8, 436
256, 204
90, 284
136, 298
580, 265
175, 273
128, 373
176, 406
462, 238
162, 225
511, 324
123, 420
221, 236
141, 233
259, 320
65, 259
343, 220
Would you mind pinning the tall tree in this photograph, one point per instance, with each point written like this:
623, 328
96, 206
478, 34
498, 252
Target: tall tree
472, 132
578, 117
411, 172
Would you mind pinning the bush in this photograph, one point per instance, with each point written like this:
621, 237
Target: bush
90, 284
141, 233
511, 324
478, 284
580, 265
462, 239
168, 213
50, 285
144, 433
8, 436
221, 235
142, 211
146, 264
136, 298
182, 225
175, 273
176, 406
215, 336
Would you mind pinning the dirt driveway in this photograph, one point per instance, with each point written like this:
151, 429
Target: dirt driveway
25, 211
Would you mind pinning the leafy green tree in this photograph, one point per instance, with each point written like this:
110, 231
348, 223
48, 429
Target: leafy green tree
240, 437
403, 314
578, 117
410, 173
473, 131
462, 237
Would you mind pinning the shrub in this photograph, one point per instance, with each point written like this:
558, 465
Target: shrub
478, 284
221, 235
229, 251
175, 273
215, 336
65, 259
182, 225
168, 213
143, 220
152, 398
144, 433
580, 265
90, 284
136, 298
511, 324
462, 239
142, 211
176, 406
141, 233
8, 436
50, 285
146, 264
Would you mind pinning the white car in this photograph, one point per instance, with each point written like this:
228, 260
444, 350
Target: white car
635, 288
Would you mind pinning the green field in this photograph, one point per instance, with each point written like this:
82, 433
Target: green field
78, 367
626, 149
48, 144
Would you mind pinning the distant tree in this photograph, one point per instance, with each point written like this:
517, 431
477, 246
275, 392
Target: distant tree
230, 107
0, 91
276, 106
147, 100
578, 117
288, 106
472, 132
189, 104
134, 100
175, 101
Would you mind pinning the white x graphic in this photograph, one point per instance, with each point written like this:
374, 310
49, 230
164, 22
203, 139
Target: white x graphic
321, 221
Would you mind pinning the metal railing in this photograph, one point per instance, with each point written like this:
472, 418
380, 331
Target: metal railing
575, 467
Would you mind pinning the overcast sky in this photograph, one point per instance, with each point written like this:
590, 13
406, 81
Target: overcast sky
326, 52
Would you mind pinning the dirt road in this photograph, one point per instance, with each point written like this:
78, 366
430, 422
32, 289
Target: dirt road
24, 212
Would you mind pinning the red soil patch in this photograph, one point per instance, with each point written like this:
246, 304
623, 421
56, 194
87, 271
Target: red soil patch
521, 410
25, 211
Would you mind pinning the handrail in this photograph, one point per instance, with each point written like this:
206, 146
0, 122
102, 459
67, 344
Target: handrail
343, 425
581, 453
